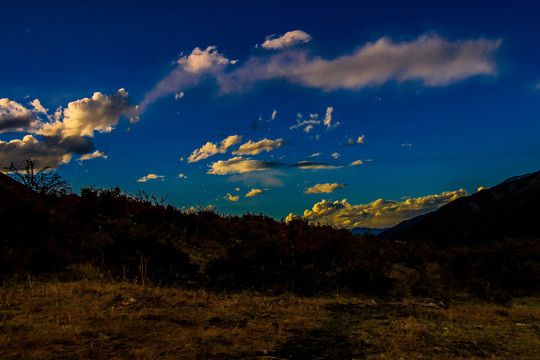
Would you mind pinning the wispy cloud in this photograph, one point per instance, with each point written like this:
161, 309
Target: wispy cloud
151, 177
289, 39
429, 59
313, 165
378, 214
189, 70
324, 188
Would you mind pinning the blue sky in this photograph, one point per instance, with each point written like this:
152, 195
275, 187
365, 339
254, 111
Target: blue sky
348, 113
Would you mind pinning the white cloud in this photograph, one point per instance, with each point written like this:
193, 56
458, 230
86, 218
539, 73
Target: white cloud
238, 165
429, 59
288, 39
254, 148
378, 214
94, 155
98, 113
151, 177
38, 107
65, 133
232, 198
14, 117
179, 95
210, 149
274, 115
328, 118
351, 142
356, 162
44, 154
255, 192
324, 188
189, 70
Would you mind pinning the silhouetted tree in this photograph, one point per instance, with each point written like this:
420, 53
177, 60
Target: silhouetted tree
44, 181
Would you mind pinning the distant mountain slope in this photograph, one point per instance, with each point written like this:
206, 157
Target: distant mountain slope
365, 230
510, 209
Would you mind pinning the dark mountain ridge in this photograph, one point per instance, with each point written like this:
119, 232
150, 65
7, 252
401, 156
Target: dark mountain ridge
509, 209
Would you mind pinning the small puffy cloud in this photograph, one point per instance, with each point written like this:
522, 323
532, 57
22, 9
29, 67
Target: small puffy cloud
378, 214
351, 142
274, 115
481, 188
238, 165
232, 198
254, 148
94, 155
406, 145
287, 40
182, 176
308, 128
179, 95
313, 165
14, 117
335, 155
255, 192
356, 162
210, 149
151, 177
324, 188
200, 61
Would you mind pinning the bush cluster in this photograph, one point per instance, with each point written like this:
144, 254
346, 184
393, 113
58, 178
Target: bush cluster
105, 232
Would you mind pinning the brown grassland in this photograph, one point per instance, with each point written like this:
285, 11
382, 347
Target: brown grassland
104, 320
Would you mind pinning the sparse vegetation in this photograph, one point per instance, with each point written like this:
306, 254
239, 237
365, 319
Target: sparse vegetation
105, 272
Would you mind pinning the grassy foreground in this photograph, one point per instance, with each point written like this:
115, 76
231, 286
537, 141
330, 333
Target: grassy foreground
99, 320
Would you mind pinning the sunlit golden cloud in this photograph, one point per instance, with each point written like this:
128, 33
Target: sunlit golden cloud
378, 214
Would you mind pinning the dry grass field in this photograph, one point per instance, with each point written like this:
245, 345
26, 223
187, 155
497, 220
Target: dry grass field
103, 320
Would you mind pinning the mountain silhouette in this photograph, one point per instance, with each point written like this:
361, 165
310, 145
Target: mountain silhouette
507, 210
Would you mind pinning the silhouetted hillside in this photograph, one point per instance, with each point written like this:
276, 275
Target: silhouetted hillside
105, 233
508, 210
